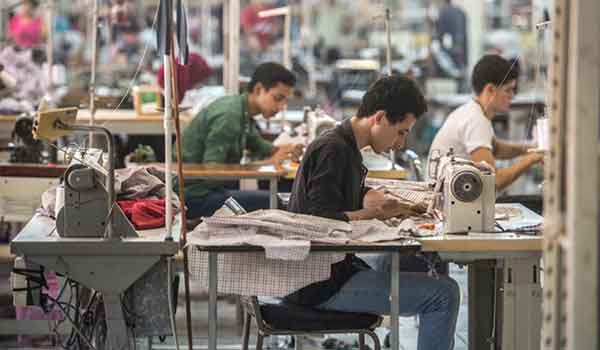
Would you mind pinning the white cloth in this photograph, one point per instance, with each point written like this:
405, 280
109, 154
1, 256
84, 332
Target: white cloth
465, 130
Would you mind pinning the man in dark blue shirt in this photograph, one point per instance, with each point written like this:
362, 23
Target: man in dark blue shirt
330, 183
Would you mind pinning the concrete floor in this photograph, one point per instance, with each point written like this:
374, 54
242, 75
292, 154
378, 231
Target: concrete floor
229, 331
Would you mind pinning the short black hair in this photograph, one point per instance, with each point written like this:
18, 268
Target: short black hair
396, 95
493, 69
271, 73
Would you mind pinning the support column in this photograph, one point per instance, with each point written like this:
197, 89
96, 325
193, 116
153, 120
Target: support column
583, 90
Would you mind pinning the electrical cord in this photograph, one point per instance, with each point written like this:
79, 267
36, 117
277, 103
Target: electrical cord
84, 322
73, 324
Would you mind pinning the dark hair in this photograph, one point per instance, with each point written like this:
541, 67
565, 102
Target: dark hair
271, 73
396, 95
493, 69
33, 3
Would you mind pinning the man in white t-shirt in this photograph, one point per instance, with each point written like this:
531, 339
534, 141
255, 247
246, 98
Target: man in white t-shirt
468, 129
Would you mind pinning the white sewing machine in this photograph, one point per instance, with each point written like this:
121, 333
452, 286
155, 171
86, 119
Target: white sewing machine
468, 194
317, 122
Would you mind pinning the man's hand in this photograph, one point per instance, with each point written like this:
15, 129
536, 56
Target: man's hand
391, 208
535, 157
285, 152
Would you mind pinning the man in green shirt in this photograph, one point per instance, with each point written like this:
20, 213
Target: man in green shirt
223, 130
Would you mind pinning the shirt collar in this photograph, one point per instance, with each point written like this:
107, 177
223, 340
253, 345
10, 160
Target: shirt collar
348, 135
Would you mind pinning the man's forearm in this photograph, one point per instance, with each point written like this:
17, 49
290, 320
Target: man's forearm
373, 198
508, 175
508, 150
364, 214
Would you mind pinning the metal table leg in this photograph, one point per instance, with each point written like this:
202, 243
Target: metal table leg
117, 337
482, 312
212, 300
273, 194
395, 302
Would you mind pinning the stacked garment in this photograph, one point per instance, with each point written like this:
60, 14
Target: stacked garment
140, 194
287, 264
284, 235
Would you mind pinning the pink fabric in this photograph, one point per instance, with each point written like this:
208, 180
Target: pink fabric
26, 33
36, 312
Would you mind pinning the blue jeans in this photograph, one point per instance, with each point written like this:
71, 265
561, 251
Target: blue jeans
205, 206
435, 300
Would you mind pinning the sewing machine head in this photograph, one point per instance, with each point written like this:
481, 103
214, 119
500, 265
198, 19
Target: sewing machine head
317, 122
84, 211
468, 194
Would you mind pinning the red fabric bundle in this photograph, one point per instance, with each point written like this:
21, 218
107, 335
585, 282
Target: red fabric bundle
144, 214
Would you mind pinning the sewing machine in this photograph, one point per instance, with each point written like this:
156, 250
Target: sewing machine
468, 194
96, 246
84, 211
23, 147
317, 122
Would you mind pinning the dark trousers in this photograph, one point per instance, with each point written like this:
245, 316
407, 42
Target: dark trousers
205, 206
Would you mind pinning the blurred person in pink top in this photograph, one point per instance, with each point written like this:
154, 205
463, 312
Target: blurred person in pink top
26, 27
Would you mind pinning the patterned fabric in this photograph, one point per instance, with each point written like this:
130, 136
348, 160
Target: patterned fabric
283, 235
254, 274
287, 264
410, 192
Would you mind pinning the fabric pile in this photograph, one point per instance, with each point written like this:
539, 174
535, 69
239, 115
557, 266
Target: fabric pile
372, 231
144, 214
284, 235
140, 193
409, 193
287, 263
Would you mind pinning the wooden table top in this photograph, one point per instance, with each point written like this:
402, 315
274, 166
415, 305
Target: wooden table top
395, 174
191, 170
464, 243
109, 115
230, 170
31, 170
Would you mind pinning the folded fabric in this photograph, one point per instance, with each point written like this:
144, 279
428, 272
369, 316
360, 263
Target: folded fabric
144, 214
